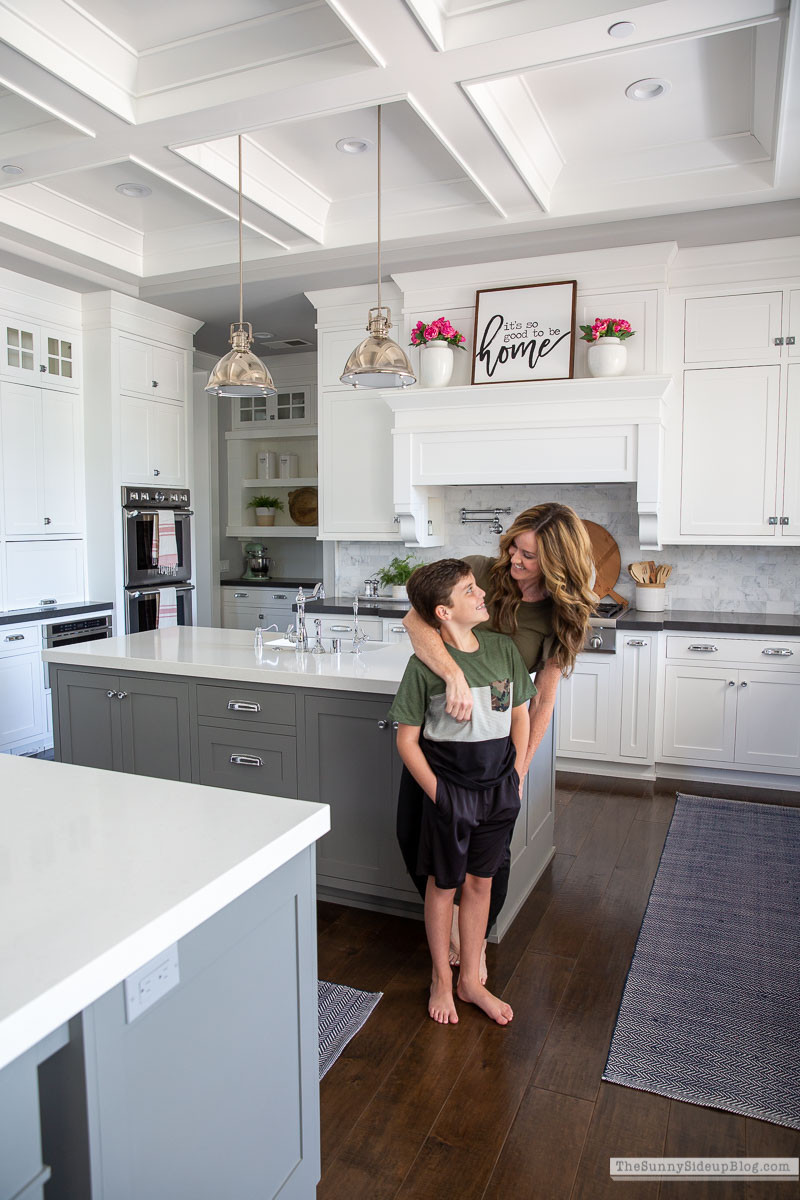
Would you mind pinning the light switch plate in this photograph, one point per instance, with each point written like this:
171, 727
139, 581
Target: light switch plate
152, 981
224, 565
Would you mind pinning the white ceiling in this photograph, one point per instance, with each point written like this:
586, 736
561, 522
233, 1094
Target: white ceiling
503, 131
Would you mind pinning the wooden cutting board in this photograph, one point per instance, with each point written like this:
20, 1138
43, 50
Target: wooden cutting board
607, 561
303, 506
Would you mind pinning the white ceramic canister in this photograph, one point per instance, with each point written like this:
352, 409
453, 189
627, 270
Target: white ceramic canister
267, 464
435, 364
289, 466
606, 357
650, 597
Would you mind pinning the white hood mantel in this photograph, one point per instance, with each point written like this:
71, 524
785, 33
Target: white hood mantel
562, 431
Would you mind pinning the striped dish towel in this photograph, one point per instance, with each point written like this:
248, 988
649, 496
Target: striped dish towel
167, 607
165, 544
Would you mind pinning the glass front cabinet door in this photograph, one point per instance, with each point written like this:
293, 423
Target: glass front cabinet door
39, 355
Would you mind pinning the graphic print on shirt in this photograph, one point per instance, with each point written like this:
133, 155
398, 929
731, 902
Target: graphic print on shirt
491, 716
501, 695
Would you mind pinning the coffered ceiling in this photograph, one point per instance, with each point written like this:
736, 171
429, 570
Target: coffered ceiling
503, 120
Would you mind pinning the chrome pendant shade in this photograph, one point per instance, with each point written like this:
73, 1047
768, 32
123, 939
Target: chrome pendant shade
240, 372
378, 362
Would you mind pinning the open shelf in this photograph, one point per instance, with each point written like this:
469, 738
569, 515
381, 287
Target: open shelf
310, 481
261, 431
271, 531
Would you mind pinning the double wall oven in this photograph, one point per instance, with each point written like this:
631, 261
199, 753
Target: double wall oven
146, 578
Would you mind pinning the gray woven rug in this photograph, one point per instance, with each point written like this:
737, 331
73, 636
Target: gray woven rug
342, 1012
710, 1013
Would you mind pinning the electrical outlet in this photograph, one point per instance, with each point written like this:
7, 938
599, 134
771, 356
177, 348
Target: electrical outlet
151, 982
224, 564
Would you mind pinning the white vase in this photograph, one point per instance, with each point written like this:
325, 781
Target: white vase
399, 591
435, 365
606, 357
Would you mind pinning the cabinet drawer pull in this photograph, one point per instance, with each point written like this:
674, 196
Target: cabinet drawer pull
15, 637
121, 695
111, 694
246, 760
731, 683
240, 595
743, 683
243, 706
790, 340
341, 629
279, 596
402, 629
637, 643
784, 520
48, 521
778, 652
703, 648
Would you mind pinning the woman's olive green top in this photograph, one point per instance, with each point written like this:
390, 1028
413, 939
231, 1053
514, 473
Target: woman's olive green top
534, 637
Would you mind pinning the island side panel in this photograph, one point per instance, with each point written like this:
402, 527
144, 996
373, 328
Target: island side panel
213, 1091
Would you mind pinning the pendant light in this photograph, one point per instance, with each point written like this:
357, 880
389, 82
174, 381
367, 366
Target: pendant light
378, 362
239, 372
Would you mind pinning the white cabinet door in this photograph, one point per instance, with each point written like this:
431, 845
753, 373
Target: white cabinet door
733, 328
699, 712
149, 369
356, 473
134, 457
636, 710
59, 356
588, 722
20, 438
21, 710
43, 570
166, 437
768, 719
730, 451
61, 462
793, 323
135, 367
790, 507
20, 351
169, 376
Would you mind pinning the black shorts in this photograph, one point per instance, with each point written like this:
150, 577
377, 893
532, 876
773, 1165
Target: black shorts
467, 831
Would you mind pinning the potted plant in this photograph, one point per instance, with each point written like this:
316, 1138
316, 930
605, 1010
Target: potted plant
395, 575
607, 353
266, 507
436, 341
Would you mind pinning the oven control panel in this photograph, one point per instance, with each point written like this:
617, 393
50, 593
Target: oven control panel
155, 498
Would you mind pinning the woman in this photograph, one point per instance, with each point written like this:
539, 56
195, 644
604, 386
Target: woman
539, 591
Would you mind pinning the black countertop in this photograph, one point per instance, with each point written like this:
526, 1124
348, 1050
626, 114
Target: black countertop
380, 607
772, 624
291, 582
44, 612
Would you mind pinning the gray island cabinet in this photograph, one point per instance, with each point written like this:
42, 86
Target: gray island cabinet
200, 705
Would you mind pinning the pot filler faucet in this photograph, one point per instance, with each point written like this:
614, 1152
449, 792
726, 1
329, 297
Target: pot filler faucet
298, 633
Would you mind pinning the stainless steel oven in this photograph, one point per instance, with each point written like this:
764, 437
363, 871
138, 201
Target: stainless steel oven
70, 632
141, 607
140, 508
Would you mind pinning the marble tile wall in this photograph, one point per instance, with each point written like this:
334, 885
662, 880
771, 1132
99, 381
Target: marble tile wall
757, 579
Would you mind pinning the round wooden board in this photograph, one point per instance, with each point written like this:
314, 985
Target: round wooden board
607, 560
303, 506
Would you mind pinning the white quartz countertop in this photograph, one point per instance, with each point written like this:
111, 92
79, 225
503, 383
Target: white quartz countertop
100, 871
229, 654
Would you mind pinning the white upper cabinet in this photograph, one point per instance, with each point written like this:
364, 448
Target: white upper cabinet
273, 414
153, 438
790, 508
733, 328
40, 354
731, 435
793, 325
148, 369
44, 572
356, 467
41, 457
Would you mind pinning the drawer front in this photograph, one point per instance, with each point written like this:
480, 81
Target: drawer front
343, 626
251, 706
16, 638
705, 647
265, 763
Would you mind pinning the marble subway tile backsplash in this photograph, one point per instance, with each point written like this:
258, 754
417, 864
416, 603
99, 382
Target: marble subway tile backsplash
757, 579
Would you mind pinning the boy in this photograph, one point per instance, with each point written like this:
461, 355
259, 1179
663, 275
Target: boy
467, 771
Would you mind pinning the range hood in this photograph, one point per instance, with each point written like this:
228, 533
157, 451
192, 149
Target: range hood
563, 431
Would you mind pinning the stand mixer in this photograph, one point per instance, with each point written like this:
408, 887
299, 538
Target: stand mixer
257, 562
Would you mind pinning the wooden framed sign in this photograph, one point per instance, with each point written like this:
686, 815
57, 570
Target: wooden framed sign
524, 334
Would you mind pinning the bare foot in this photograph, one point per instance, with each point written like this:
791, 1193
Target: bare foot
455, 949
493, 1006
441, 1006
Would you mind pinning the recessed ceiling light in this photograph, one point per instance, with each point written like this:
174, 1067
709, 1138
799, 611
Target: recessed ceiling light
648, 89
264, 336
136, 191
621, 29
10, 169
353, 145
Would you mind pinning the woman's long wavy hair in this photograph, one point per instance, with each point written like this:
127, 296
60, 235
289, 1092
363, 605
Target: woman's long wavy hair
565, 560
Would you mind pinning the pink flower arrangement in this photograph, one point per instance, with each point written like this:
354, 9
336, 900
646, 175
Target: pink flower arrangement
606, 327
439, 330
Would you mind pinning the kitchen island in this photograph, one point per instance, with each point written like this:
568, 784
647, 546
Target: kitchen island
145, 1049
203, 705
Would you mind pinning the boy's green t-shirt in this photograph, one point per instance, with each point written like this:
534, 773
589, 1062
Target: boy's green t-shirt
497, 678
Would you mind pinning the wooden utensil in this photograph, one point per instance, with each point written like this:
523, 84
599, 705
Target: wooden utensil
663, 573
303, 506
638, 572
607, 562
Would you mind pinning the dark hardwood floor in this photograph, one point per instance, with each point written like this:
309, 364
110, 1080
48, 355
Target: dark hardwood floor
419, 1111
